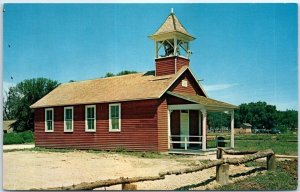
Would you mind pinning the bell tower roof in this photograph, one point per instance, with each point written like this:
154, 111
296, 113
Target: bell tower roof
171, 26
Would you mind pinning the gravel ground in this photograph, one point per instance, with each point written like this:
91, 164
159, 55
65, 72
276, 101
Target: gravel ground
30, 169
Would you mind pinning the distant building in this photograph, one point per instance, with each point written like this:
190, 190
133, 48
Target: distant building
244, 129
246, 126
7, 128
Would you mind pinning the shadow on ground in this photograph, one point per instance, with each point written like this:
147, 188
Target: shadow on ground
206, 182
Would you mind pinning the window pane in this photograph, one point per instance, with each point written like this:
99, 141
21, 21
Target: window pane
68, 114
69, 125
117, 112
49, 125
90, 112
49, 115
114, 111
115, 123
90, 123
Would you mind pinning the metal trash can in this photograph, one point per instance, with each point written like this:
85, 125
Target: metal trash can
221, 142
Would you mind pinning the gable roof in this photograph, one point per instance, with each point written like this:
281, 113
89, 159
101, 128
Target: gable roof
172, 24
205, 101
131, 87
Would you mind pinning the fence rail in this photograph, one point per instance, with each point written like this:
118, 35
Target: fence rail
221, 164
185, 139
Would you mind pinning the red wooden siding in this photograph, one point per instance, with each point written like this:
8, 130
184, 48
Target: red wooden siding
138, 128
171, 100
192, 87
181, 62
165, 66
170, 65
162, 124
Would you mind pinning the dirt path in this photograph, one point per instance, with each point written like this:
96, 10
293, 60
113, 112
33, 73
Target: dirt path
18, 146
30, 169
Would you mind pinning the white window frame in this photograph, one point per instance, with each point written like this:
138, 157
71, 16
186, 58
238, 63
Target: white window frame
184, 83
46, 128
110, 125
95, 118
65, 125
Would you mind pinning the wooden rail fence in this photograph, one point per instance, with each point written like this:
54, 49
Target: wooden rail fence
221, 164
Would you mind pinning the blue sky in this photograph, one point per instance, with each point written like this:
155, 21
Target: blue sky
244, 52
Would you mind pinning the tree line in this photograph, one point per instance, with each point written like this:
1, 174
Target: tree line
259, 114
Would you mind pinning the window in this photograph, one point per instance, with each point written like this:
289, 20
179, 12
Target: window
184, 83
68, 119
115, 117
49, 125
90, 118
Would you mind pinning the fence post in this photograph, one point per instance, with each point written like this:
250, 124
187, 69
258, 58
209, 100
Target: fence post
219, 153
185, 143
222, 175
128, 186
271, 163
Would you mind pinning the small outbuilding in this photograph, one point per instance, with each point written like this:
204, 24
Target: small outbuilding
7, 126
244, 129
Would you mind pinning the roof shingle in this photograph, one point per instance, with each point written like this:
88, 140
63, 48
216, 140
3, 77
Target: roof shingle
112, 89
172, 24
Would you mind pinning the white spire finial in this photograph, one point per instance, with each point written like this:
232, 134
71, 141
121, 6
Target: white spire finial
172, 11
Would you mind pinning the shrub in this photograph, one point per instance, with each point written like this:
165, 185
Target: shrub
18, 138
120, 148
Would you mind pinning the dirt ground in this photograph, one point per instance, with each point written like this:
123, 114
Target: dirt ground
23, 170
18, 146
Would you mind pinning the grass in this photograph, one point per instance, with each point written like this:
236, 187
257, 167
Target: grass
285, 177
18, 138
279, 147
285, 144
279, 137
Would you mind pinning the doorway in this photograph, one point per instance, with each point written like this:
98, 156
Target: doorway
184, 127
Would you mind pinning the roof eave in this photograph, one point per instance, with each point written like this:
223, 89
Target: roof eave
94, 102
213, 107
178, 33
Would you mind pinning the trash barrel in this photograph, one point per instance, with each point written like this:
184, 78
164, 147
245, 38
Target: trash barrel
221, 142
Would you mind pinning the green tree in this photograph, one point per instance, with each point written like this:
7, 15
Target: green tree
21, 96
218, 120
262, 115
287, 120
109, 74
125, 72
259, 114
